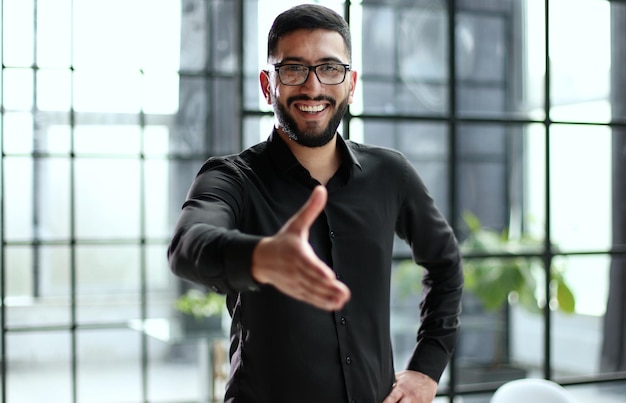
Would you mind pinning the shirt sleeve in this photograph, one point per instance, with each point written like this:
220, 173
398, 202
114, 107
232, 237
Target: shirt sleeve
435, 248
206, 247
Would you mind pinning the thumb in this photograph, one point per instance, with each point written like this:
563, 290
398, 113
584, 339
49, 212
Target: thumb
307, 214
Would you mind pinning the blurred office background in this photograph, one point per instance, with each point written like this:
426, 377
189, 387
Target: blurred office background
512, 110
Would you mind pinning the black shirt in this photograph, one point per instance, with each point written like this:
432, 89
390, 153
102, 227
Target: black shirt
283, 350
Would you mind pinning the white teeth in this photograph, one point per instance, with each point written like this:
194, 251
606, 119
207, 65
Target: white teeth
311, 109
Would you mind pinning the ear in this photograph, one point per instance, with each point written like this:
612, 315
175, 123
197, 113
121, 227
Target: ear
352, 81
264, 78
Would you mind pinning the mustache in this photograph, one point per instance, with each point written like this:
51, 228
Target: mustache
295, 98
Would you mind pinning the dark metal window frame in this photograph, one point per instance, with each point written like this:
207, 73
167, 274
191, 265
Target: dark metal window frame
451, 119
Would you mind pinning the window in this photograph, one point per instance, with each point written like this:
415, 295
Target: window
108, 109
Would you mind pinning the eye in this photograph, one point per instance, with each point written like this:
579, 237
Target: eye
294, 68
330, 68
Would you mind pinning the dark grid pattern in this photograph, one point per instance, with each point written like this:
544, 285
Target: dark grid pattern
211, 120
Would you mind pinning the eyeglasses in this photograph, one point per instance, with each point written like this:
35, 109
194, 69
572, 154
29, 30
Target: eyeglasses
297, 74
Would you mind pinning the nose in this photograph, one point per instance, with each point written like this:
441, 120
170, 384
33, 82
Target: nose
312, 82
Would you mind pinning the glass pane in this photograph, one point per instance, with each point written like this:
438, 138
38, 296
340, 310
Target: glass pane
39, 367
184, 172
19, 274
38, 285
52, 197
159, 282
108, 280
109, 367
224, 53
401, 75
618, 220
254, 60
18, 33
534, 171
54, 33
532, 101
190, 134
574, 96
501, 338
257, 129
156, 140
107, 139
157, 190
223, 119
500, 56
588, 277
18, 198
484, 156
160, 33
482, 51
194, 37
54, 90
18, 89
119, 47
577, 213
56, 136
184, 365
613, 338
160, 92
18, 132
107, 91
107, 198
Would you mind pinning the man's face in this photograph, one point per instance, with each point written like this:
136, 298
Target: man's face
309, 113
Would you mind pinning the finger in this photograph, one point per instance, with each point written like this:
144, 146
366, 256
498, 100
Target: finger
331, 296
319, 279
395, 395
307, 214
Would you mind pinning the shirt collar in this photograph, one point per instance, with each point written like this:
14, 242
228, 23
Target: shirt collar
285, 161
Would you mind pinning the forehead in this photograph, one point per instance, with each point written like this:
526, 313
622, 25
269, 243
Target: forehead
311, 46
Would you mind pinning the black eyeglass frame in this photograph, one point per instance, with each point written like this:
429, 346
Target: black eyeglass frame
313, 68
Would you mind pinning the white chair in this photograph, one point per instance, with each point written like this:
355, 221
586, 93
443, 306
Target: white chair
531, 390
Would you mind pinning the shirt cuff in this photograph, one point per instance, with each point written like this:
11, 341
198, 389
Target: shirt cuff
238, 254
429, 359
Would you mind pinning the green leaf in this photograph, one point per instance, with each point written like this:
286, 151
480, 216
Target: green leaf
565, 298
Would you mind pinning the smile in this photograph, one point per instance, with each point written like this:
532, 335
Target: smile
312, 108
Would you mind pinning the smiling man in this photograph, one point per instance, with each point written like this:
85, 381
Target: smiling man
298, 232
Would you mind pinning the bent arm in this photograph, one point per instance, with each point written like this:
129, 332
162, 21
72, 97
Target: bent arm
434, 247
206, 247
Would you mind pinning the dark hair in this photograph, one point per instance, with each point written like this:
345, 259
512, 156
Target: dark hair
308, 16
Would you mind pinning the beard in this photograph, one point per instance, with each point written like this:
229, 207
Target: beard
309, 137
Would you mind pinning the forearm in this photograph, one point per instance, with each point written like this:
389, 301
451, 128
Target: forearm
440, 311
213, 257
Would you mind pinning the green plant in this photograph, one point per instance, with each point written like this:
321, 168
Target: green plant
494, 280
508, 276
200, 304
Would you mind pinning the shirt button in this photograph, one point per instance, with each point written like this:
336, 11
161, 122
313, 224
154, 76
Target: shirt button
342, 320
348, 360
332, 234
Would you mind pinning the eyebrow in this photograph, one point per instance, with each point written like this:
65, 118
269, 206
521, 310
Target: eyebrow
294, 59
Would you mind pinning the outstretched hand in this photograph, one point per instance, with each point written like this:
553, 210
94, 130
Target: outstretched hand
287, 261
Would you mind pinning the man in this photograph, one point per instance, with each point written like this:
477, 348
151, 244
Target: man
298, 232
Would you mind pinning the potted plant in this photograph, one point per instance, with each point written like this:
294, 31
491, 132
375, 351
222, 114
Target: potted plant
499, 271
508, 276
201, 310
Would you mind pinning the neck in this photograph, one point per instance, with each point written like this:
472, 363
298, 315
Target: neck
321, 162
